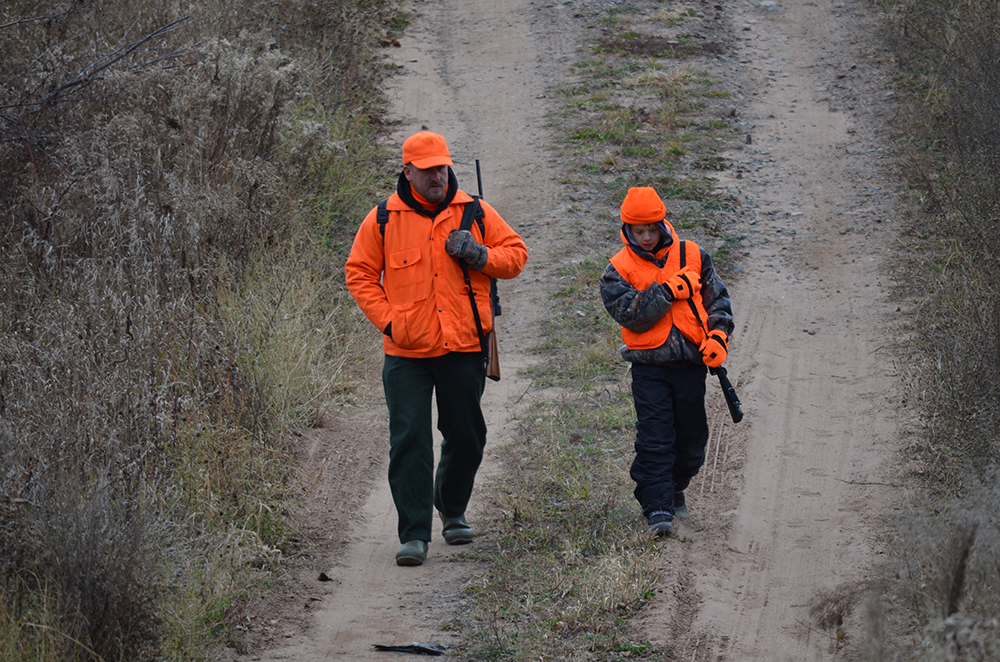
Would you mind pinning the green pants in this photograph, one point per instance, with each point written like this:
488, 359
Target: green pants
457, 379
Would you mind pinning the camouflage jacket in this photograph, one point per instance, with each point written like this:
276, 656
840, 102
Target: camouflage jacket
638, 310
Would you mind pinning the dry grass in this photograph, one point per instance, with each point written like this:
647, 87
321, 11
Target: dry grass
572, 559
176, 191
945, 570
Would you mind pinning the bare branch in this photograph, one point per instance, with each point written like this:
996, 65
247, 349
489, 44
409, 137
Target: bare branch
150, 63
33, 19
89, 73
116, 55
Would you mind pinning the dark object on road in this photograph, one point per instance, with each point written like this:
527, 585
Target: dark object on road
428, 648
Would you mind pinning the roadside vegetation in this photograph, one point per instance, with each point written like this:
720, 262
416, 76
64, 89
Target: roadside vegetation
947, 568
570, 561
176, 192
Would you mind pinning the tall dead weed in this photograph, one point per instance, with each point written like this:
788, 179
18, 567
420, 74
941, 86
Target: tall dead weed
945, 568
172, 189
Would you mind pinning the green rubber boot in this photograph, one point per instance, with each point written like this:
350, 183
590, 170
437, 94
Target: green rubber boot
456, 530
412, 553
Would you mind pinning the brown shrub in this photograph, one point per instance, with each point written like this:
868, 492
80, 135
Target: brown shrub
945, 548
949, 54
161, 175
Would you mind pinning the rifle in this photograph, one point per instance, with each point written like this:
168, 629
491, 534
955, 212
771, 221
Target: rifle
732, 400
493, 351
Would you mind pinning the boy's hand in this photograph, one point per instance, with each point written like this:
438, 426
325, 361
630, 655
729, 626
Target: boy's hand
714, 349
461, 243
684, 284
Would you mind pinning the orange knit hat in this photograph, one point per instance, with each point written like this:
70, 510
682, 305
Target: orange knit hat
426, 150
643, 206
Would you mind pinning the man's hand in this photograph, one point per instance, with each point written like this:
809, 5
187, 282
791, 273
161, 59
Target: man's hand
714, 349
460, 243
684, 284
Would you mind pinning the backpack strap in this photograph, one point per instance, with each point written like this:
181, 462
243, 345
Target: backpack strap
382, 216
694, 309
473, 212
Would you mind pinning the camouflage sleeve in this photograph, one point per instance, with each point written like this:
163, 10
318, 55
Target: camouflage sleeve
636, 310
715, 297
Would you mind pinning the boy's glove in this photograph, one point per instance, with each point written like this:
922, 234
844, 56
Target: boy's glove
684, 284
714, 348
460, 243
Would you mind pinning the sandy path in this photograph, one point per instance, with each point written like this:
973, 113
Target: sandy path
784, 509
810, 313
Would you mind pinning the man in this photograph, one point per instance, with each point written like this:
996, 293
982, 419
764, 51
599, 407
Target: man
406, 274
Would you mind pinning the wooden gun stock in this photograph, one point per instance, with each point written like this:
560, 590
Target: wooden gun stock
493, 358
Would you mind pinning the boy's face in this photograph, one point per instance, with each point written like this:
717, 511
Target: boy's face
647, 236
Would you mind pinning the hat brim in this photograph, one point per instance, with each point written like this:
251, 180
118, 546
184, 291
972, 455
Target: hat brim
431, 162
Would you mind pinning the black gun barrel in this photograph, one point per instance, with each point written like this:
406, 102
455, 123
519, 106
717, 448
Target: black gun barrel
732, 400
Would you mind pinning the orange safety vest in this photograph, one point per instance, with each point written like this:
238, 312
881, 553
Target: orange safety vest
688, 315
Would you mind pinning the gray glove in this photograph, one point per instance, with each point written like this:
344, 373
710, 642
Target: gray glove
460, 243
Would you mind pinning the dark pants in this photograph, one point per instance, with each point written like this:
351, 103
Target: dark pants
458, 380
671, 432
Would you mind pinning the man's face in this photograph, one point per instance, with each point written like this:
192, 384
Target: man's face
647, 236
431, 183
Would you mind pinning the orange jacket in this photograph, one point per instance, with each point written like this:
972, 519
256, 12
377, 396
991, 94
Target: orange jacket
407, 279
688, 315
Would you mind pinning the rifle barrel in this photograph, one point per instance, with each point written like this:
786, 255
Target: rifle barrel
732, 400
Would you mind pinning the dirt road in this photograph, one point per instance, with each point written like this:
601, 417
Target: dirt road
813, 320
787, 508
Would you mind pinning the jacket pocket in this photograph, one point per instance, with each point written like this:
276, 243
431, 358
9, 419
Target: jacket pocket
404, 277
413, 324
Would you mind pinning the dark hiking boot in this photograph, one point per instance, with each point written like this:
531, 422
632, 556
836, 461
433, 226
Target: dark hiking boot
661, 523
412, 552
680, 506
456, 530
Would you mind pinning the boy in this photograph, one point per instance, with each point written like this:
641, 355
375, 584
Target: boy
676, 319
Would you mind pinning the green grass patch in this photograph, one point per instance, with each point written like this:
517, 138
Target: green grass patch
571, 561
712, 162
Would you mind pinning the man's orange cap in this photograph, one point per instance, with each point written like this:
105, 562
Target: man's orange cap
643, 206
426, 150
